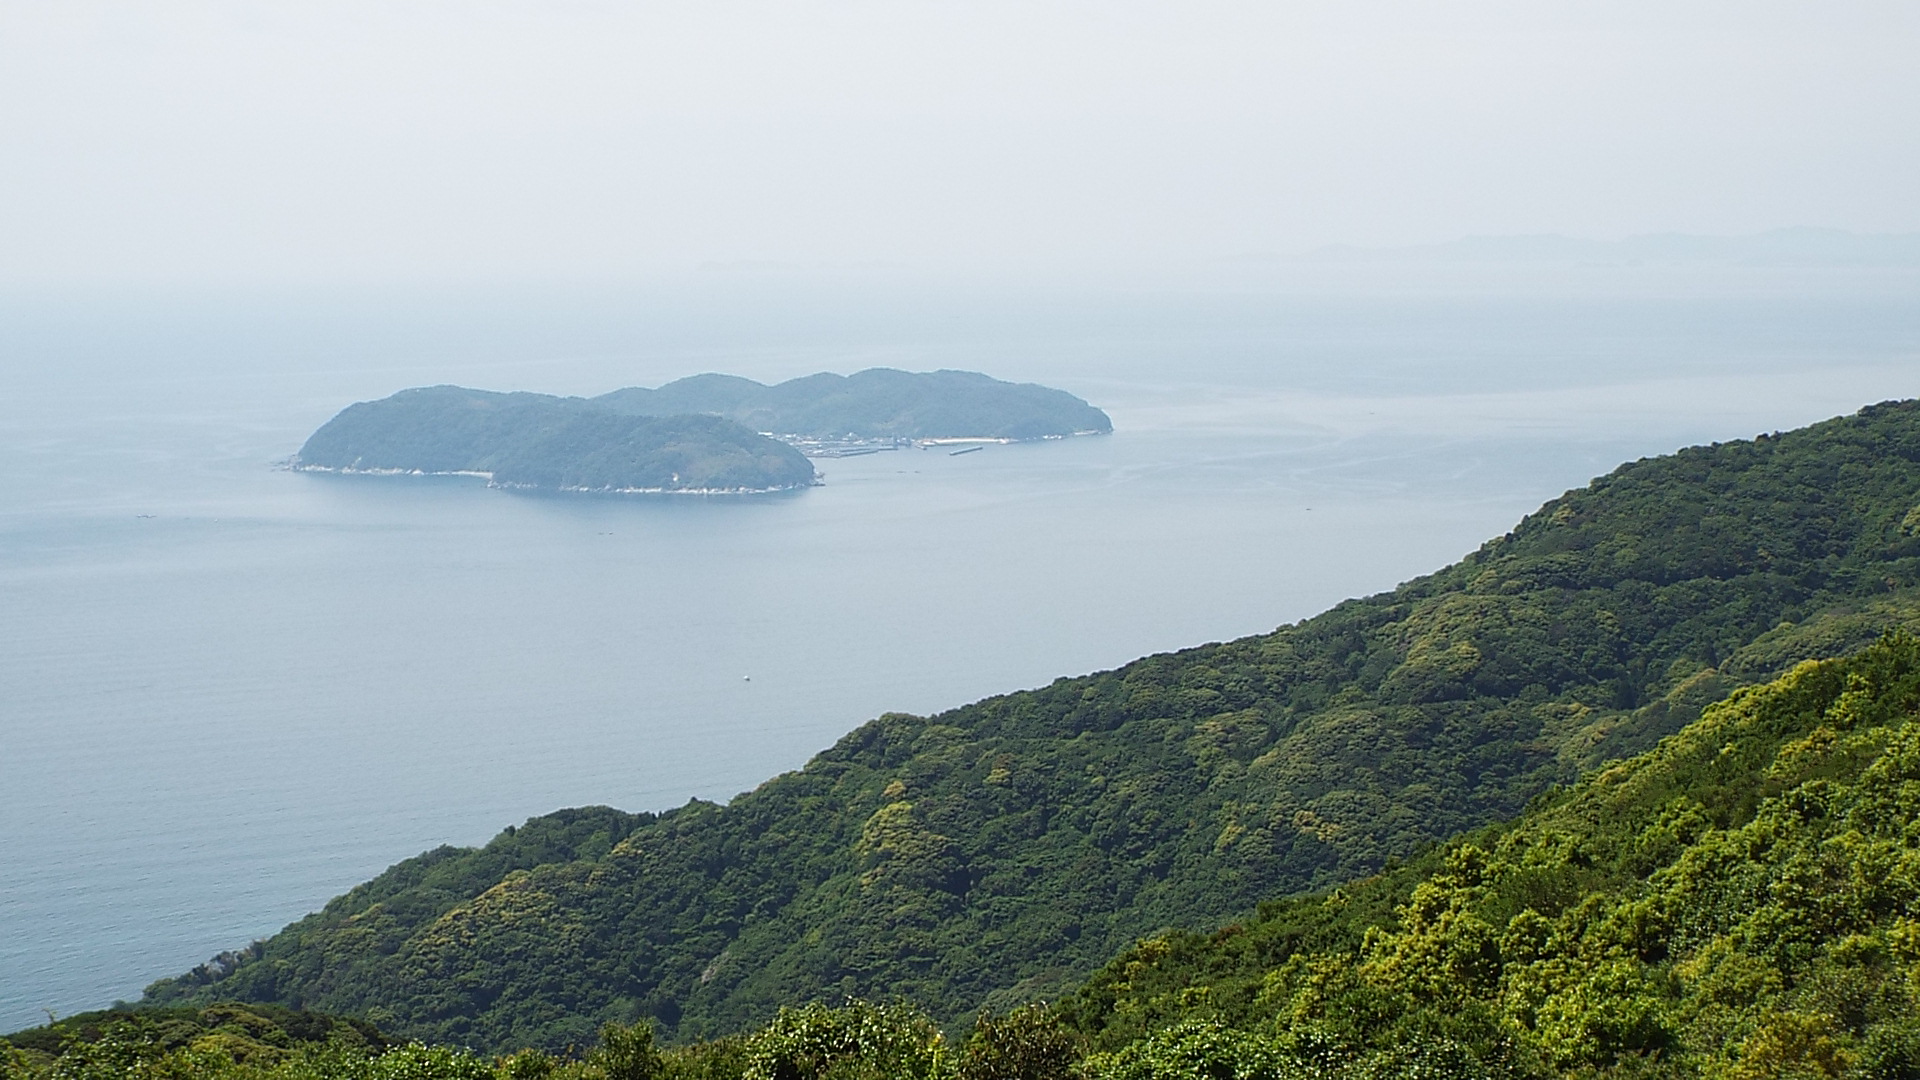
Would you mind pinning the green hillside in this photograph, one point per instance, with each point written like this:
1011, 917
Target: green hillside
1001, 851
1743, 901
260, 1033
539, 442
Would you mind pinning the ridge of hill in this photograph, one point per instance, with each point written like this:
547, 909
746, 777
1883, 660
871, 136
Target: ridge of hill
1741, 901
998, 852
878, 403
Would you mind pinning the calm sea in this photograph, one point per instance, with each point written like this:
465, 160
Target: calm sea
228, 693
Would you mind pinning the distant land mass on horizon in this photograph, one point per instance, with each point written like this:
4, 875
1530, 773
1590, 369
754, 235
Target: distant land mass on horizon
878, 403
709, 434
1801, 246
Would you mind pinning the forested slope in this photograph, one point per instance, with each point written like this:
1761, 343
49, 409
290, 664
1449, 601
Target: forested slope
1742, 901
1000, 851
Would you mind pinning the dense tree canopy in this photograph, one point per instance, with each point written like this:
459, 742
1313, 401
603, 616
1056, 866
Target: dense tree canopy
1742, 901
997, 853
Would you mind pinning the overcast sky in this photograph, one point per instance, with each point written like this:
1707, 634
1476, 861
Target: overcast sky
402, 140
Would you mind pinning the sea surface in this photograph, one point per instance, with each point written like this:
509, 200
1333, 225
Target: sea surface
228, 692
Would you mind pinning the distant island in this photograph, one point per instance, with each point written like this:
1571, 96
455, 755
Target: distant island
876, 404
538, 442
707, 434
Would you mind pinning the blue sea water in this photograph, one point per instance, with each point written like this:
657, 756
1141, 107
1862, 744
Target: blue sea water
229, 692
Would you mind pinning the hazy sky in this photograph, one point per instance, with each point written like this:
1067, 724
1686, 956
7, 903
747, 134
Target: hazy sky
403, 140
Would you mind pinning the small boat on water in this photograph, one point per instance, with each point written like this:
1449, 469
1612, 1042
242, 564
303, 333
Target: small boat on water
968, 450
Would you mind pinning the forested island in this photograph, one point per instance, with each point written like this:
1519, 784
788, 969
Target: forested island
708, 434
539, 442
1630, 791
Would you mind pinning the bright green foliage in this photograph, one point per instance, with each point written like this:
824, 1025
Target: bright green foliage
230, 1042
1210, 1050
125, 1055
995, 854
1200, 1050
858, 1041
1028, 1043
1743, 901
248, 1032
224, 1042
627, 1053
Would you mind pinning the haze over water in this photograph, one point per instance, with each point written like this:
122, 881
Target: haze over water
228, 692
